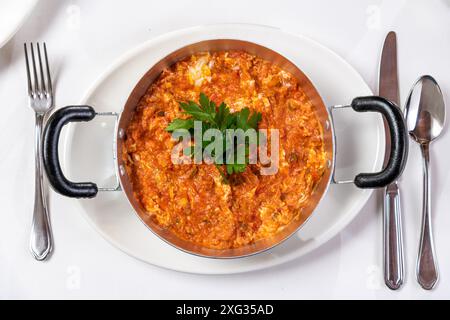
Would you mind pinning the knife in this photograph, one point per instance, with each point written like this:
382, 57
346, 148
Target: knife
392, 222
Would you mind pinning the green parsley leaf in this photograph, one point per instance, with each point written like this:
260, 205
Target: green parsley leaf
180, 124
222, 119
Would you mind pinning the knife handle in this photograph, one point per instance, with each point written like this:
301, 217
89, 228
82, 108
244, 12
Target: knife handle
393, 238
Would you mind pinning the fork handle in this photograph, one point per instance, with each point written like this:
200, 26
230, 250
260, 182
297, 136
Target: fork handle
41, 241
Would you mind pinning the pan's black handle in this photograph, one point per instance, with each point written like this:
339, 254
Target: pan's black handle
51, 159
399, 141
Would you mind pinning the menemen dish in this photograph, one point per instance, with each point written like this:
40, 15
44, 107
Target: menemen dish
193, 201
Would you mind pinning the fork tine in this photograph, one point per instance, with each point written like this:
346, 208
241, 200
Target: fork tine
49, 79
42, 85
36, 83
28, 69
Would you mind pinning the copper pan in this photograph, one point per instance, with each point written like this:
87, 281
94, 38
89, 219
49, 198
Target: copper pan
83, 190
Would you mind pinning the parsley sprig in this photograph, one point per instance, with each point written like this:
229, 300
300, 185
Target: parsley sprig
221, 118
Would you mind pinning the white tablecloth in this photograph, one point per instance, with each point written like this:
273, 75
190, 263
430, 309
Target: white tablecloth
85, 37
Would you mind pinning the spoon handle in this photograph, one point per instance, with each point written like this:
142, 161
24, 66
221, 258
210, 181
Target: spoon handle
427, 272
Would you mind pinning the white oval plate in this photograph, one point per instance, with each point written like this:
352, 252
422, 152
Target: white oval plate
360, 143
13, 14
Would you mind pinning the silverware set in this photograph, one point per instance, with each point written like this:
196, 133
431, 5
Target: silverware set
425, 120
40, 99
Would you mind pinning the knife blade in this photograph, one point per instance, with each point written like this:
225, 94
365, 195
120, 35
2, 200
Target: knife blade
392, 220
388, 82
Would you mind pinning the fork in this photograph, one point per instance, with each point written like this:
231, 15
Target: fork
40, 96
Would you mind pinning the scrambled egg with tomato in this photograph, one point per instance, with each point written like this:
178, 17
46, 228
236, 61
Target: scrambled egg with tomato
192, 200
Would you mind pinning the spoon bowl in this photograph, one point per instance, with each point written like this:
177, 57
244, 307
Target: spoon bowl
425, 110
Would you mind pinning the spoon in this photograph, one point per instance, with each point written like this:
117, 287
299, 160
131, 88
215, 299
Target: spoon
425, 118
